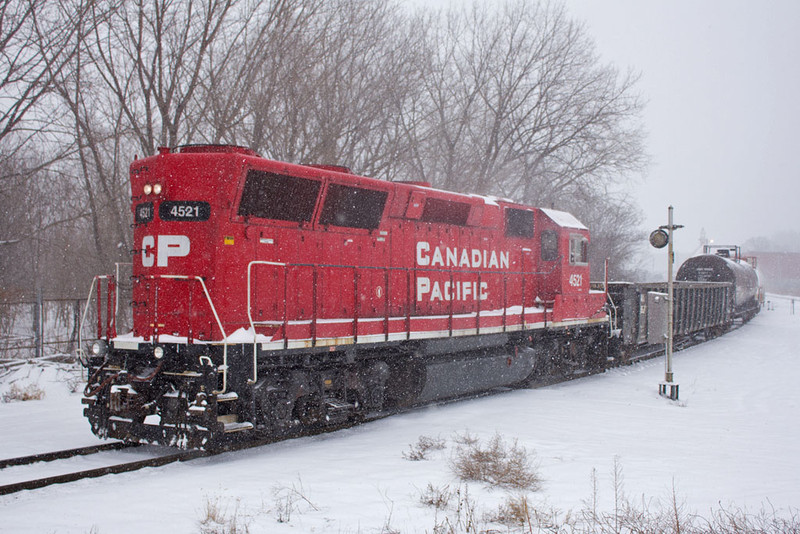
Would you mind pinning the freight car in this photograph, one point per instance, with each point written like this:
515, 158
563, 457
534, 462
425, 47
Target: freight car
269, 296
726, 264
640, 314
713, 291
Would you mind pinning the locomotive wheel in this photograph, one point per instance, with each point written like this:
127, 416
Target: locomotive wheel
309, 409
275, 409
373, 396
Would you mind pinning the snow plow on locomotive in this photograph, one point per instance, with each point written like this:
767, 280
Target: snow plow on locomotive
269, 296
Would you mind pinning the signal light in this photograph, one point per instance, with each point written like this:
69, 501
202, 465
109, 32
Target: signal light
659, 238
148, 189
157, 189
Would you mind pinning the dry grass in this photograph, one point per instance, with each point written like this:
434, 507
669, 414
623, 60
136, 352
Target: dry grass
218, 519
438, 498
289, 500
27, 393
515, 511
497, 463
423, 447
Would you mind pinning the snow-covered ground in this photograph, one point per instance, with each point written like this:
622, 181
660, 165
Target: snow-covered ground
730, 439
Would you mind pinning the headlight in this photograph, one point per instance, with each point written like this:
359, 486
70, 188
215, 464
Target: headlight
158, 352
148, 189
157, 189
99, 348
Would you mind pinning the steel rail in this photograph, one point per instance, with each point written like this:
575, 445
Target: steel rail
102, 471
64, 454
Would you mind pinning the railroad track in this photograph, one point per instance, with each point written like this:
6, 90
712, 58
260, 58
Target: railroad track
123, 467
67, 453
178, 456
182, 456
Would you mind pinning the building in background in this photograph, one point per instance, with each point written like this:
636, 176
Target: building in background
780, 271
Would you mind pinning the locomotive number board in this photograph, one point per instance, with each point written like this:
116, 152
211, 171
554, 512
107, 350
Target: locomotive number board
184, 210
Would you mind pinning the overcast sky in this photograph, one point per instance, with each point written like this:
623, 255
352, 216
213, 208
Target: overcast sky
722, 83
721, 79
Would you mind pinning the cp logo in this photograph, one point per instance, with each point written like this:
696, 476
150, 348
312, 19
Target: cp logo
157, 250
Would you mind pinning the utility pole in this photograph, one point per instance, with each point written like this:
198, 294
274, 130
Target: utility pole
659, 238
670, 297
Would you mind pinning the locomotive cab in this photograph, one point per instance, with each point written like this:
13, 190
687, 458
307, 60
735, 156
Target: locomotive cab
565, 266
179, 204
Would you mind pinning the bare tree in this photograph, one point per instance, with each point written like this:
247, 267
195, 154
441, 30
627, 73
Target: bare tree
319, 82
149, 57
521, 105
38, 40
17, 225
242, 77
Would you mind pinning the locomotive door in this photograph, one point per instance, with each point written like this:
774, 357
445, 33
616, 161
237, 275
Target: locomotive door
355, 254
530, 281
372, 282
281, 283
352, 283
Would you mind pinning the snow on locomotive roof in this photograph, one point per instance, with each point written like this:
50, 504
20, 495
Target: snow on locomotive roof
490, 200
564, 219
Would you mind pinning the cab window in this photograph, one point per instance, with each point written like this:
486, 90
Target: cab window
438, 210
353, 207
279, 197
578, 250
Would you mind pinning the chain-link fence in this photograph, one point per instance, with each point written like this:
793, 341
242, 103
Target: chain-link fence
47, 327
39, 328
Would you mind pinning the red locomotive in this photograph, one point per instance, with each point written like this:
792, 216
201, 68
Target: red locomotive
269, 296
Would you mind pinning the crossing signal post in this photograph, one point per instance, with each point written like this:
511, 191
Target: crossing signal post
659, 239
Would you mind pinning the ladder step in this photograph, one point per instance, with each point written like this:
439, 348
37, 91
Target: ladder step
227, 419
228, 397
237, 427
337, 405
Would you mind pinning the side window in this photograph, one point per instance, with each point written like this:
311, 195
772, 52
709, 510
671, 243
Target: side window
438, 210
519, 223
353, 207
549, 245
578, 249
279, 197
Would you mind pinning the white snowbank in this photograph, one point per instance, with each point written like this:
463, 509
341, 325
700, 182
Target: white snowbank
732, 438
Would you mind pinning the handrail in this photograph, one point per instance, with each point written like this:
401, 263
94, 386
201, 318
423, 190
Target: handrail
408, 271
111, 319
83, 319
224, 366
116, 299
250, 314
109, 277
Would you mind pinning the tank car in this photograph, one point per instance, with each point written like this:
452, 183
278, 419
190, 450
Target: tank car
269, 296
725, 264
